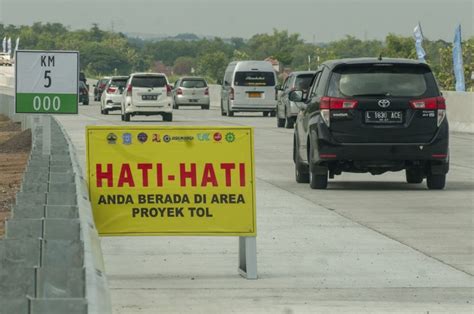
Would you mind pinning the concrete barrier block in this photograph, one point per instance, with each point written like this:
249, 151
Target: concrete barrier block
30, 197
57, 177
14, 305
60, 157
60, 198
28, 211
57, 306
36, 176
62, 211
23, 228
17, 281
62, 253
38, 163
62, 229
21, 252
34, 187
60, 282
67, 188
62, 169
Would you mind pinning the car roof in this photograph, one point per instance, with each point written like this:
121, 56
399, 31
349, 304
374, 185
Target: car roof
355, 61
192, 78
302, 72
119, 77
148, 73
251, 65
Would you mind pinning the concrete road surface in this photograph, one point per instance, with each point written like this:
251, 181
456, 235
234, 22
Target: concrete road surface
367, 244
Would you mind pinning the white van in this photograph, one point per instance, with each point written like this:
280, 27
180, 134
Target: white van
249, 86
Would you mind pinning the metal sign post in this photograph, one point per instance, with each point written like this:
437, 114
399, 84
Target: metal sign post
248, 257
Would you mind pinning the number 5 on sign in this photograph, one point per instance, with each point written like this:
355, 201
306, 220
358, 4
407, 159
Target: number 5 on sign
46, 81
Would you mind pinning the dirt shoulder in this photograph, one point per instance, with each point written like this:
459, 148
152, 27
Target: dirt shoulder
15, 146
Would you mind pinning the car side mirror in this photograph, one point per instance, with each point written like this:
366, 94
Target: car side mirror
278, 87
296, 96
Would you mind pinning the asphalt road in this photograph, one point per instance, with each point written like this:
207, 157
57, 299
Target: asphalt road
366, 244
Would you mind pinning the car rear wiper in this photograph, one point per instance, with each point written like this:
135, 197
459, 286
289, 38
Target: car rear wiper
372, 95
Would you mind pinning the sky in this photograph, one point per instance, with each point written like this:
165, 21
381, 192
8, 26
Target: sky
316, 20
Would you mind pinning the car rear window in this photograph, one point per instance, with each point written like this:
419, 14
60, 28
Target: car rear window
254, 78
303, 81
380, 80
118, 83
102, 82
149, 81
193, 83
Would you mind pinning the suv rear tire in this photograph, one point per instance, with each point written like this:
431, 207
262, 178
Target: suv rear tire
126, 117
280, 122
301, 170
317, 181
436, 181
290, 123
414, 175
167, 117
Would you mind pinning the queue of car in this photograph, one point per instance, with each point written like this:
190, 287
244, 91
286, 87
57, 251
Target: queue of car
364, 115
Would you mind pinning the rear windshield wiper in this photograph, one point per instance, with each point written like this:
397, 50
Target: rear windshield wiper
372, 95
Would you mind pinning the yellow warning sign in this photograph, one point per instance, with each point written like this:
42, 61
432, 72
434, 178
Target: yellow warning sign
172, 180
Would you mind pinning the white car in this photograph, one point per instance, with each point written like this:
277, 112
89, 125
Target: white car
147, 94
111, 98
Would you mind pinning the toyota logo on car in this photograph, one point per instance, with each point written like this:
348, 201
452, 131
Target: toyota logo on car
384, 103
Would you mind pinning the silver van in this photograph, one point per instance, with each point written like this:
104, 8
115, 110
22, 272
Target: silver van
249, 86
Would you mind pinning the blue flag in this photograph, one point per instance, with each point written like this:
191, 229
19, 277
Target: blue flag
420, 52
457, 61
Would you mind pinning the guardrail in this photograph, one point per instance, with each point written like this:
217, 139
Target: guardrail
50, 260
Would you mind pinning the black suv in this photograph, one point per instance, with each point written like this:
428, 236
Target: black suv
371, 115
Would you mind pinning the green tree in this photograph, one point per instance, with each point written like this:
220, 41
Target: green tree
183, 65
279, 45
399, 47
212, 65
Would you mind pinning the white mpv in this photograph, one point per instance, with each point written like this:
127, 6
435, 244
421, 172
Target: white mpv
147, 94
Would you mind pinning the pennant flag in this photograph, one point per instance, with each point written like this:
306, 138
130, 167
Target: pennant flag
418, 34
457, 61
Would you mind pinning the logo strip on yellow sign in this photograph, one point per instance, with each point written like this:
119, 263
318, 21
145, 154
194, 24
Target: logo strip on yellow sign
172, 180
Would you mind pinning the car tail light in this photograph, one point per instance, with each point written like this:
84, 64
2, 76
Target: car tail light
206, 91
231, 94
129, 90
111, 90
331, 103
433, 103
179, 91
168, 90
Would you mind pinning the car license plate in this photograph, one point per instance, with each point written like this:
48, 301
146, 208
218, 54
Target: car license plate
149, 97
383, 117
255, 95
193, 100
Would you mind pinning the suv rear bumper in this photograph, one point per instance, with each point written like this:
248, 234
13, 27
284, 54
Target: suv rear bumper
377, 154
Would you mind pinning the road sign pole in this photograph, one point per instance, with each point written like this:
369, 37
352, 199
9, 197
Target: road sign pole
248, 257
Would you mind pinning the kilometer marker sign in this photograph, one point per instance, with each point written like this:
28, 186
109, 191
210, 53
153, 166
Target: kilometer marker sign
46, 81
